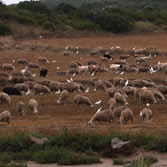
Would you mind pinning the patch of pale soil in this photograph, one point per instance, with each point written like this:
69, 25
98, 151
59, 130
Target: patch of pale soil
105, 163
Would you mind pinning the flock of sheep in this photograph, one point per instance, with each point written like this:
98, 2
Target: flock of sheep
118, 89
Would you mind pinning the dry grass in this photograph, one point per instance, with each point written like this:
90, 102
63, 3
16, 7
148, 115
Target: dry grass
54, 117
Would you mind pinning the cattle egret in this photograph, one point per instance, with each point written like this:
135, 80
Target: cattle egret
34, 75
99, 110
77, 51
13, 61
87, 90
66, 47
71, 79
92, 74
24, 70
94, 90
98, 102
74, 74
58, 68
54, 61
122, 73
28, 92
68, 80
141, 114
126, 83
58, 92
148, 105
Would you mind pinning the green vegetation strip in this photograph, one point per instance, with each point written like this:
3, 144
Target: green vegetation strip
70, 149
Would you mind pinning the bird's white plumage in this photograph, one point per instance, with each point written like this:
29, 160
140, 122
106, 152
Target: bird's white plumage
98, 102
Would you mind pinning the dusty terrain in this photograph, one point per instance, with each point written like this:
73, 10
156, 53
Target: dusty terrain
55, 117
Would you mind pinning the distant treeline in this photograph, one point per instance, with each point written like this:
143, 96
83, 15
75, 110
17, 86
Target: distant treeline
65, 16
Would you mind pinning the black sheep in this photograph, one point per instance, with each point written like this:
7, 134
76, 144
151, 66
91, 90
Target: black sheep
12, 91
43, 72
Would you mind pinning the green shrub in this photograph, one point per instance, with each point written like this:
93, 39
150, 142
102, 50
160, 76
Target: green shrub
5, 158
5, 30
63, 156
142, 26
48, 26
14, 143
25, 155
143, 162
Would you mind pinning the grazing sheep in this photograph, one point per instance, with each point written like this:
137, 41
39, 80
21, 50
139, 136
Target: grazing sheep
158, 95
30, 84
22, 87
117, 81
7, 66
79, 99
162, 89
111, 103
33, 106
4, 74
41, 89
102, 84
111, 91
17, 74
12, 91
4, 97
129, 90
146, 114
63, 97
20, 108
22, 61
116, 113
126, 115
102, 116
145, 96
115, 67
33, 65
5, 116
119, 98
90, 62
83, 69
43, 60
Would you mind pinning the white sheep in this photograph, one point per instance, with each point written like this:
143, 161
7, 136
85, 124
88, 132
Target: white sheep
63, 97
5, 116
33, 106
79, 99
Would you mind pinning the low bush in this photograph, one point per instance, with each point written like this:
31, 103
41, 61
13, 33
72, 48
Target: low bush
63, 156
146, 161
5, 158
118, 161
5, 30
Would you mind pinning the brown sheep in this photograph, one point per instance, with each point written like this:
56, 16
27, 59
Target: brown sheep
79, 99
126, 115
33, 65
111, 91
116, 113
7, 66
41, 89
20, 108
22, 87
22, 61
33, 106
119, 98
63, 97
4, 97
43, 60
146, 114
102, 116
5, 116
111, 103
162, 89
145, 96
